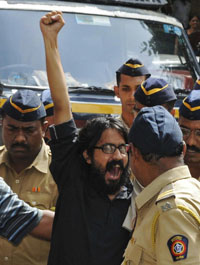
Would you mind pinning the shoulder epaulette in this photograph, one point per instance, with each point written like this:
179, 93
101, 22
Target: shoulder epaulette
166, 192
2, 147
49, 152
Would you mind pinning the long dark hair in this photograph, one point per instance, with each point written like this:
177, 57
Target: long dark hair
90, 134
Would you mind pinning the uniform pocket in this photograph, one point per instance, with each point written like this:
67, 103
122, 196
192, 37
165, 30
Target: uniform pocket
133, 254
40, 200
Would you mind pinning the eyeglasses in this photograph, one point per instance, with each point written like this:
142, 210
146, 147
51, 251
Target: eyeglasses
111, 148
186, 132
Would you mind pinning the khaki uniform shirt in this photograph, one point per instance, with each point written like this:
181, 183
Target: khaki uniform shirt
121, 118
35, 186
167, 228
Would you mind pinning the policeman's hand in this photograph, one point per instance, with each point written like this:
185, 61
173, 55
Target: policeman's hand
51, 24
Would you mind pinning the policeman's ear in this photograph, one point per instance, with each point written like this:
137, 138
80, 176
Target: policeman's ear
116, 89
86, 157
131, 150
44, 127
134, 152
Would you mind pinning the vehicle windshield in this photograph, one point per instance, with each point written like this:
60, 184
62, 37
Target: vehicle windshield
92, 49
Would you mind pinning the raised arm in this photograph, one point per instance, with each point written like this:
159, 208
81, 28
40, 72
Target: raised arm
50, 25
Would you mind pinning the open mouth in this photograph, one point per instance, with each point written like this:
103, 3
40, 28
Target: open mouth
114, 173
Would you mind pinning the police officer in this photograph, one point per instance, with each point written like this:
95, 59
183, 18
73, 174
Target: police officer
166, 229
189, 121
152, 92
24, 165
131, 74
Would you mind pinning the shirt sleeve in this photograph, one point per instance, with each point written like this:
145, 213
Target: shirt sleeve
177, 238
62, 138
16, 217
62, 144
63, 130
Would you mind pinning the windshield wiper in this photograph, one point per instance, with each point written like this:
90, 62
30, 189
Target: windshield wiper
91, 89
18, 87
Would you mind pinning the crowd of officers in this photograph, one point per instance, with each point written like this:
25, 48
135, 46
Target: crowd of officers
118, 191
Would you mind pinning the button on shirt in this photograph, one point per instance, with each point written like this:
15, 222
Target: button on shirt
168, 221
36, 187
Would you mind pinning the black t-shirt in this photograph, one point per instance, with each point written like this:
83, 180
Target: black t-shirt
88, 227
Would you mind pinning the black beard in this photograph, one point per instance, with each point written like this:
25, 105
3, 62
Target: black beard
97, 178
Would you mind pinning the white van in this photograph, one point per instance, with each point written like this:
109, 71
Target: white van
98, 38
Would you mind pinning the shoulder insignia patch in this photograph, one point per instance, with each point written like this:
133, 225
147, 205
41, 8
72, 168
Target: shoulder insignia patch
166, 207
178, 247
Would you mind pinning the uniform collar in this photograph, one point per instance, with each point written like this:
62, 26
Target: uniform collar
137, 187
41, 162
160, 182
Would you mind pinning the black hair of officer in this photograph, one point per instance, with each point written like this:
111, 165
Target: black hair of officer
24, 105
132, 67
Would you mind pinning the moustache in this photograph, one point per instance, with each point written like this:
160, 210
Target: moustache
193, 148
113, 163
25, 146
